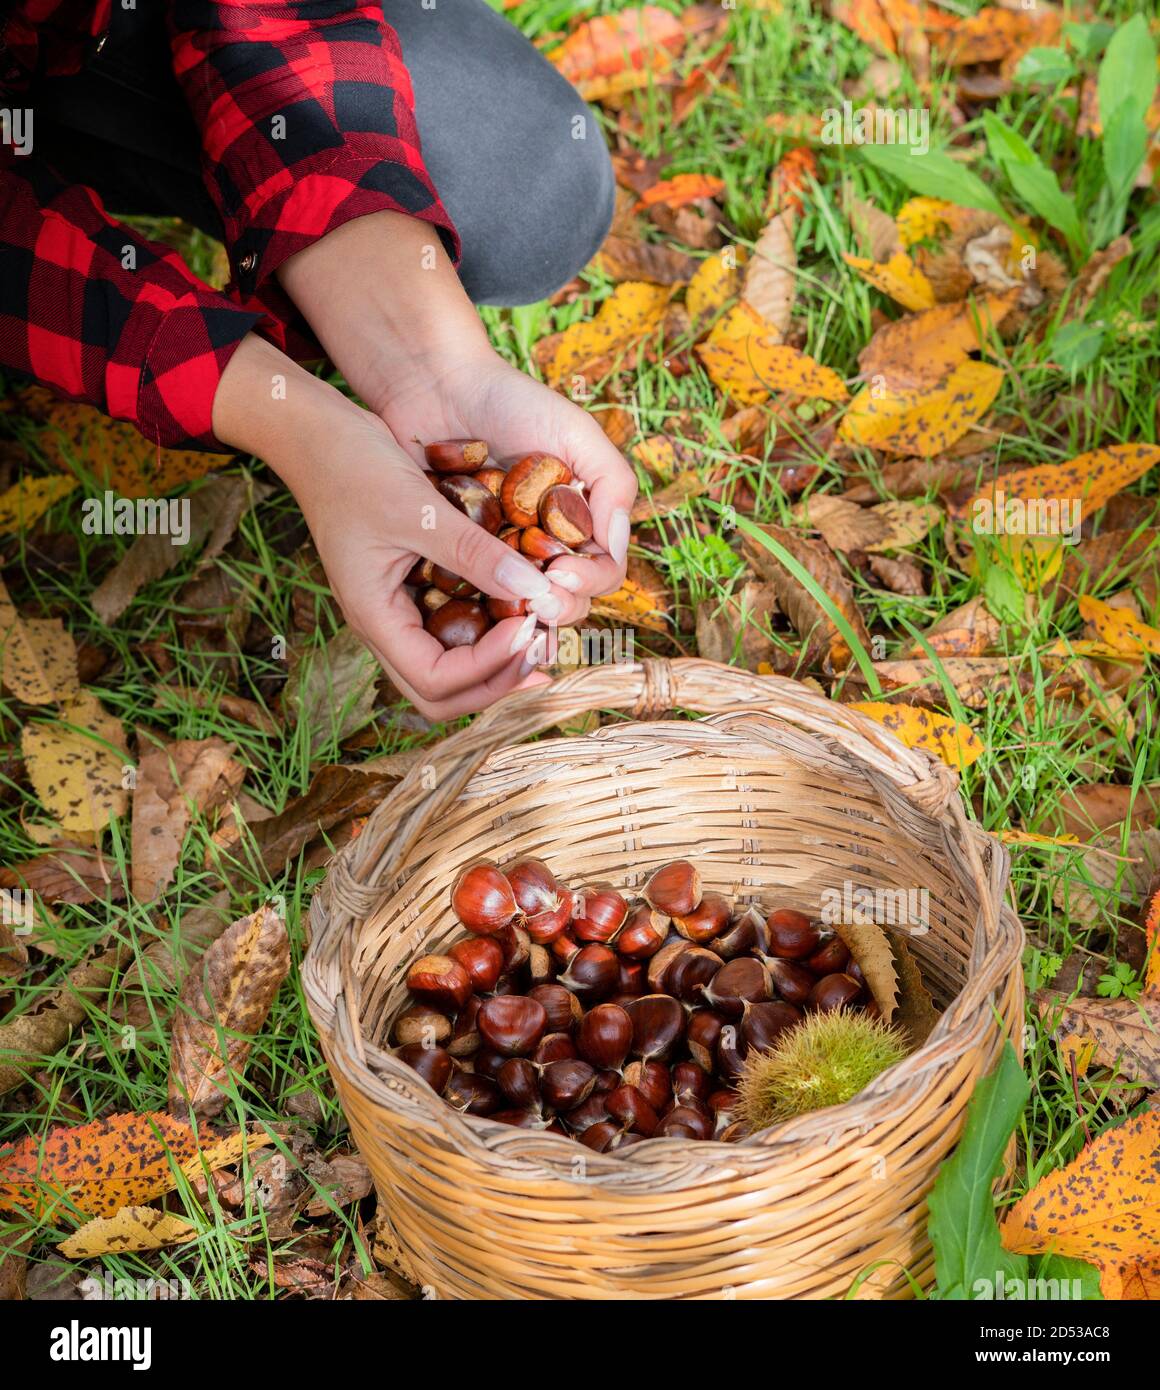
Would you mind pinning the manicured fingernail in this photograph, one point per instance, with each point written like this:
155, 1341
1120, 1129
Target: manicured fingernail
520, 578
618, 532
547, 609
524, 635
533, 656
565, 579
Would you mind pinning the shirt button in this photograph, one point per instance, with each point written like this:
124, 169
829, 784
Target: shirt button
249, 262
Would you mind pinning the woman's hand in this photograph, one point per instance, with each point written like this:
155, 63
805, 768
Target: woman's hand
371, 511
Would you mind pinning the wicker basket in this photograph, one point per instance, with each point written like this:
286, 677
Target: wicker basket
777, 796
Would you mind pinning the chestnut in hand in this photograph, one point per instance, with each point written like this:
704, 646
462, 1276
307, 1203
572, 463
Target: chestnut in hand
456, 455
526, 482
474, 500
565, 515
460, 622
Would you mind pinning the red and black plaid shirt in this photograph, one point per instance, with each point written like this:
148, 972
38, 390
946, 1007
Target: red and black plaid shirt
139, 336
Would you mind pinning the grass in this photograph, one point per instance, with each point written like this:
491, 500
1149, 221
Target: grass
1036, 750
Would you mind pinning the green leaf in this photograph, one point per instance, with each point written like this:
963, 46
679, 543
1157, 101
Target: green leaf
933, 174
1076, 346
1088, 39
1049, 66
1066, 1269
1127, 74
1124, 145
962, 1224
1035, 183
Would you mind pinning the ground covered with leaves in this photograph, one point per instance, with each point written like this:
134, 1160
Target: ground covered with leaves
894, 416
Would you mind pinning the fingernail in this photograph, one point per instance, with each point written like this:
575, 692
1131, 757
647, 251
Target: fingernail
618, 532
533, 656
547, 609
524, 635
520, 578
565, 579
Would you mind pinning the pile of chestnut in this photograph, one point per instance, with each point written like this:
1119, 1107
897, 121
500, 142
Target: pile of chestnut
613, 1019
535, 506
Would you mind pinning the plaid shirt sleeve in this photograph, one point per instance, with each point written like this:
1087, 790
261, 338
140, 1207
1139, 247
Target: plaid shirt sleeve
307, 121
103, 316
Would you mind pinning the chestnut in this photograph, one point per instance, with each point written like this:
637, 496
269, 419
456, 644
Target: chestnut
561, 1007
674, 888
600, 915
685, 1122
499, 609
565, 515
553, 1047
791, 980
589, 1112
465, 1035
460, 622
472, 1094
659, 965
539, 967
692, 972
691, 1083
487, 1062
738, 981
491, 478
451, 584
701, 1035
544, 927
526, 482
433, 1064
598, 1136
790, 934
519, 1080
630, 978
607, 1080
521, 1119
482, 899
533, 885
732, 1050
421, 1024
653, 1081
430, 601
536, 544
831, 956
741, 937
629, 1106
722, 1101
482, 958
854, 970
834, 992
591, 972
473, 500
605, 1035
763, 1024
441, 981
644, 932
625, 1140
512, 1024
707, 920
658, 1025
566, 1083
456, 455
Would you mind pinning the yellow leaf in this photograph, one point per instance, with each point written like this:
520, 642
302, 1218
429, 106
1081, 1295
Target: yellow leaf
922, 422
1033, 559
1090, 479
131, 1228
921, 219
747, 364
641, 601
629, 314
1027, 837
77, 764
27, 501
899, 278
955, 744
919, 350
39, 656
1119, 629
715, 282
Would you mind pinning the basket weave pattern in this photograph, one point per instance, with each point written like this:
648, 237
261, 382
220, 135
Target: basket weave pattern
778, 795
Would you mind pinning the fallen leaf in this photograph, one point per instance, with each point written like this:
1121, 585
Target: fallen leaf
969, 630
671, 498
746, 364
875, 230
330, 691
865, 18
898, 278
993, 34
734, 631
1103, 1207
918, 351
1121, 1033
1085, 811
920, 682
681, 190
1118, 872
39, 656
174, 782
25, 502
641, 601
77, 765
924, 219
770, 283
629, 314
922, 422
916, 1014
1110, 557
900, 576
791, 176
158, 972
66, 874
1122, 632
621, 52
1090, 479
888, 526
869, 946
223, 1006
130, 1228
944, 738
716, 281
621, 258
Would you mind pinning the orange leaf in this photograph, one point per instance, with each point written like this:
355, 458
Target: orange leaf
1124, 633
682, 189
865, 18
899, 278
1152, 946
1092, 478
922, 422
619, 53
793, 173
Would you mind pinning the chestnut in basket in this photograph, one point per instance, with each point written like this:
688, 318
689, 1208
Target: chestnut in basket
605, 1035
482, 898
441, 981
675, 888
512, 1023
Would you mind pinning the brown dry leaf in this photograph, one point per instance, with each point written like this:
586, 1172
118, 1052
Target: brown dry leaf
865, 18
1117, 873
130, 1228
869, 945
237, 707
159, 970
919, 682
899, 576
617, 423
735, 631
969, 630
66, 873
622, 258
918, 351
25, 502
1110, 557
819, 634
174, 782
39, 656
994, 34
330, 691
670, 498
770, 282
1092, 277
944, 738
643, 599
1103, 1207
629, 314
104, 1165
888, 526
875, 230
898, 278
77, 765
663, 456
916, 1014
791, 177
716, 281
1115, 1033
1094, 477
118, 457
223, 1006
922, 422
696, 225
619, 53
914, 477
1085, 811
346, 1176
